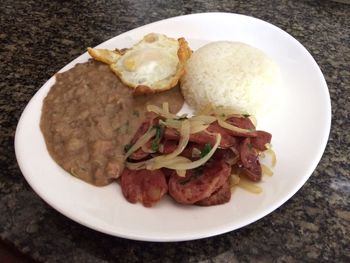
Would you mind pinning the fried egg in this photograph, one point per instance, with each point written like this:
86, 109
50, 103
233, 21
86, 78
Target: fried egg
154, 64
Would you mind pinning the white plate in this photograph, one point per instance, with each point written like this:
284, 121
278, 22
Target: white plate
300, 128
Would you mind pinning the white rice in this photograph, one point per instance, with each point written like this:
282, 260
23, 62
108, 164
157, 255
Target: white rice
232, 75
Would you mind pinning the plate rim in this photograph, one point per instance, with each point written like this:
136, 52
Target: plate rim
213, 232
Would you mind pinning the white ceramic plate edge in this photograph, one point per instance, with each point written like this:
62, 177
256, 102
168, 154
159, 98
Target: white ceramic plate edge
220, 229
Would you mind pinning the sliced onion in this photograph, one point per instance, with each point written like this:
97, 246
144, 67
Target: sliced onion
233, 160
197, 163
185, 136
198, 126
253, 120
181, 173
249, 186
195, 126
234, 179
150, 164
266, 170
168, 159
136, 166
164, 112
146, 149
205, 119
171, 123
153, 165
220, 111
141, 141
271, 153
225, 125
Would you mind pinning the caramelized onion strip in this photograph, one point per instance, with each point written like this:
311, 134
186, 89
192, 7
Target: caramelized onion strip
249, 186
140, 142
197, 163
228, 126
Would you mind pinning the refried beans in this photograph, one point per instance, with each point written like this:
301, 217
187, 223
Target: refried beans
89, 116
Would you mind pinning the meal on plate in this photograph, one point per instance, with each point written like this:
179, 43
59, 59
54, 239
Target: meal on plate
115, 118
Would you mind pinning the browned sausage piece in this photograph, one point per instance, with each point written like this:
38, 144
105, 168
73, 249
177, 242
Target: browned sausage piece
250, 160
227, 140
139, 155
241, 122
197, 185
168, 146
260, 140
221, 196
244, 123
144, 186
202, 137
230, 156
141, 131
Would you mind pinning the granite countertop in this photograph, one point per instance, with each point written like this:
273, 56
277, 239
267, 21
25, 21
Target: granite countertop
40, 37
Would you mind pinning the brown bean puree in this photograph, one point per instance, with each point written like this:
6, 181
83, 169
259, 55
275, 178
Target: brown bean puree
89, 116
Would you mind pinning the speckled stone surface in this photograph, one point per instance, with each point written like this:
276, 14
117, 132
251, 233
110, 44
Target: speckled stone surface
40, 37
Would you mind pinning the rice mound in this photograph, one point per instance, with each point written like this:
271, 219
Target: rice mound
232, 75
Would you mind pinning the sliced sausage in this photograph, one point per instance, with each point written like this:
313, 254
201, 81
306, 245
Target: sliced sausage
250, 160
168, 146
144, 186
197, 185
243, 123
140, 153
221, 196
202, 137
260, 140
230, 156
227, 140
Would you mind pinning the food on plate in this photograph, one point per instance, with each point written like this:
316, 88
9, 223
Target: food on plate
154, 64
197, 160
87, 117
233, 75
98, 130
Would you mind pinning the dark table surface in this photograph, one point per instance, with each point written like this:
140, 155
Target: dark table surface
40, 37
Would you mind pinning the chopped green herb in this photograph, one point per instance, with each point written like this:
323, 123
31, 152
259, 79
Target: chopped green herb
136, 113
127, 147
206, 150
157, 138
223, 115
155, 146
158, 129
246, 115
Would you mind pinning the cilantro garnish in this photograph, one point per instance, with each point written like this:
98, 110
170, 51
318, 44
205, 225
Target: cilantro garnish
157, 138
127, 147
206, 150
